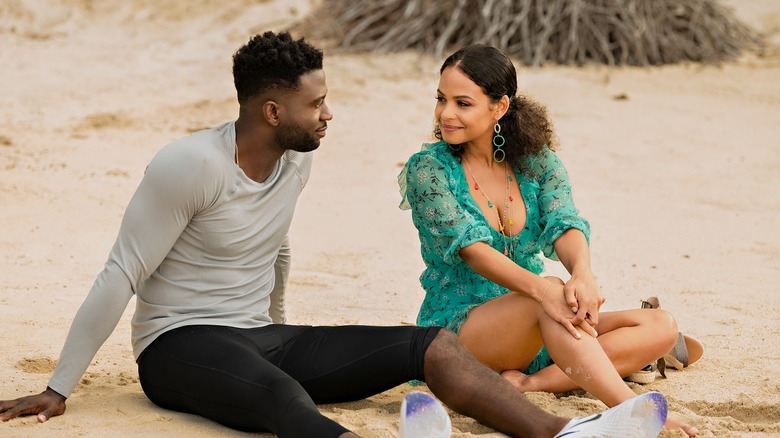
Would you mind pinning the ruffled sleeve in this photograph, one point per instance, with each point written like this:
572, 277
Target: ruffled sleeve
445, 227
556, 204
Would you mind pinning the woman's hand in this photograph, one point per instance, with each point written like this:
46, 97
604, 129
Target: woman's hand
584, 298
45, 405
555, 304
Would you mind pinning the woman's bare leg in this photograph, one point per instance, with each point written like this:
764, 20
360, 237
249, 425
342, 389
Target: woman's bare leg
525, 327
580, 363
630, 338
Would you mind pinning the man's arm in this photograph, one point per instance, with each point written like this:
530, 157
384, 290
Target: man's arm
281, 271
160, 209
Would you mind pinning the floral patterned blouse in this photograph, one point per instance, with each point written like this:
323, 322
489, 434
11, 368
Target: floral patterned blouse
434, 187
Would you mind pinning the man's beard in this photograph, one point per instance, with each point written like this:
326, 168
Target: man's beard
293, 137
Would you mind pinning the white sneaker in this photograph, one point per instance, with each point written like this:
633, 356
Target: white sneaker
422, 416
640, 417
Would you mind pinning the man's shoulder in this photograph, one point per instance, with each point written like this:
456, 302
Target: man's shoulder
299, 163
204, 142
203, 145
297, 158
204, 152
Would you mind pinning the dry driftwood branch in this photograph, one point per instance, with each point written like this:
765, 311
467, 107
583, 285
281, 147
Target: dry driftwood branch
614, 32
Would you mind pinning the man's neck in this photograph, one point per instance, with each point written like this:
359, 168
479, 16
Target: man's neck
256, 152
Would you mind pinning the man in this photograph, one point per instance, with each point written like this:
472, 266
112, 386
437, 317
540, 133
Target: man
203, 247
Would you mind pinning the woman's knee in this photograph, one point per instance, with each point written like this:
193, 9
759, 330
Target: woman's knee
666, 322
659, 319
661, 323
555, 280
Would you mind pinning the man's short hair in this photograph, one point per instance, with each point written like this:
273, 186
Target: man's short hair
272, 61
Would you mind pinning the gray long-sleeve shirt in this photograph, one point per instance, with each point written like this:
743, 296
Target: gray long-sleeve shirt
199, 244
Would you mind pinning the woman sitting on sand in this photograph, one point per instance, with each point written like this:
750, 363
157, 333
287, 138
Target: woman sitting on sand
486, 199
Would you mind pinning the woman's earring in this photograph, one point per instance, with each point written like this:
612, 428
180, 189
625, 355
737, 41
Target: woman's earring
499, 155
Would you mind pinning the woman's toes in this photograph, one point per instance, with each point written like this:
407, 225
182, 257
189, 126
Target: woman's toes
675, 425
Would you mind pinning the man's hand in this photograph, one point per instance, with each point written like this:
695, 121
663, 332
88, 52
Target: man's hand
45, 405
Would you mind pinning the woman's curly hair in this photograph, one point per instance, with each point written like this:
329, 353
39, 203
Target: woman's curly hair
271, 61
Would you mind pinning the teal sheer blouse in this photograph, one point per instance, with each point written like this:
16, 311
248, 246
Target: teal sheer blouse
433, 186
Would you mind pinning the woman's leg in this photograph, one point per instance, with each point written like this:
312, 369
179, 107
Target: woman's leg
630, 338
580, 363
507, 332
218, 373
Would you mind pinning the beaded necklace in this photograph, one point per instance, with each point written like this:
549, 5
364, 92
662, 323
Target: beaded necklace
509, 250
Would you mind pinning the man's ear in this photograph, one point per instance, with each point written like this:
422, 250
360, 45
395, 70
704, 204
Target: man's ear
271, 112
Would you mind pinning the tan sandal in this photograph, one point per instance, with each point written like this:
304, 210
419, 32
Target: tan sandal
686, 351
645, 375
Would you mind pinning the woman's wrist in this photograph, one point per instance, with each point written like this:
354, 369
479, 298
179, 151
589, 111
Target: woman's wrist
544, 291
581, 271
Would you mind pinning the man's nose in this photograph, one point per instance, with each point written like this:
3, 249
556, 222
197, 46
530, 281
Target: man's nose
326, 113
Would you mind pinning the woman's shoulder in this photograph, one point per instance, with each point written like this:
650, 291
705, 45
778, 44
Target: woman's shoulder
433, 152
432, 163
435, 147
542, 162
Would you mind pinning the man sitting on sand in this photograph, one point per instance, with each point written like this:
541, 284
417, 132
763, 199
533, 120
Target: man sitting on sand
202, 246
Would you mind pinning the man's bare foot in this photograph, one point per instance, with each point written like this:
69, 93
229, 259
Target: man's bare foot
672, 425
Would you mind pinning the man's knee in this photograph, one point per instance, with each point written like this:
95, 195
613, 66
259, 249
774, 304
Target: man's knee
444, 346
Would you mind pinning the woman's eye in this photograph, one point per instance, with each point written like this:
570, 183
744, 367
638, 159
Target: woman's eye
462, 103
439, 99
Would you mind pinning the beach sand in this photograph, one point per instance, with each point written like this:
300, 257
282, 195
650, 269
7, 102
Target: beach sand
677, 169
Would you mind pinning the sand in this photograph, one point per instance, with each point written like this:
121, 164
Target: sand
677, 168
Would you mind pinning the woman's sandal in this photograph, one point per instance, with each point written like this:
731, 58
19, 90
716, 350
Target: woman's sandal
647, 374
686, 351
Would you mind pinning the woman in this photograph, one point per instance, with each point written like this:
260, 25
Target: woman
486, 199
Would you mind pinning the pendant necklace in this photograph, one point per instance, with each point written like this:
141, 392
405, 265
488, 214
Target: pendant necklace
509, 250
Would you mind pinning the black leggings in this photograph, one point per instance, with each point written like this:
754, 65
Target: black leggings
268, 379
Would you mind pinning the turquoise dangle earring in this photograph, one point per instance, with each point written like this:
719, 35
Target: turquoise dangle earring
498, 141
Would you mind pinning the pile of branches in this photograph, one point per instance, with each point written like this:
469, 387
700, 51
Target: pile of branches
613, 32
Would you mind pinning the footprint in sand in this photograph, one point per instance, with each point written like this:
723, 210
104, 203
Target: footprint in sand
740, 415
38, 365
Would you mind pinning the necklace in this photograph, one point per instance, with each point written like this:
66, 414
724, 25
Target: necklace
506, 232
